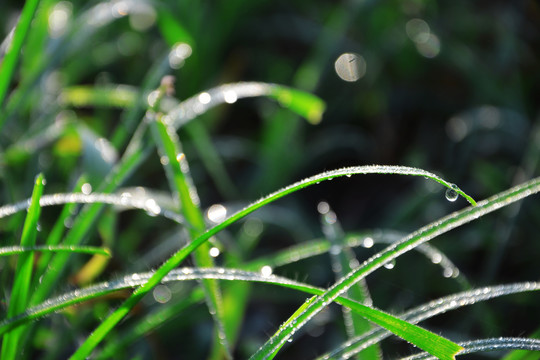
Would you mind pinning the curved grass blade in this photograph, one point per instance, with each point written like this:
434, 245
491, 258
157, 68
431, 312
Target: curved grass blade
92, 250
23, 271
429, 310
9, 62
304, 104
420, 313
181, 184
121, 200
420, 236
102, 330
494, 344
185, 274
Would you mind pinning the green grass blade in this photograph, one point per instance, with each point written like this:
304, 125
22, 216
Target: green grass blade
415, 315
493, 344
56, 233
408, 243
84, 223
9, 62
429, 310
305, 104
23, 272
342, 257
91, 250
182, 274
103, 329
177, 170
111, 96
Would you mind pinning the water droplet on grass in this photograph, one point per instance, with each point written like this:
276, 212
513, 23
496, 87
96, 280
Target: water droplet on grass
390, 265
266, 270
86, 189
451, 193
368, 242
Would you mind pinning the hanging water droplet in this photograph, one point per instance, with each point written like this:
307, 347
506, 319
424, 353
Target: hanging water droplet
390, 265
349, 175
451, 193
289, 340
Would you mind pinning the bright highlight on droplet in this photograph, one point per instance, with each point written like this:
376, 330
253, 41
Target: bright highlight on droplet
390, 265
368, 242
152, 98
266, 270
216, 213
230, 97
436, 258
350, 67
205, 98
152, 207
86, 189
214, 252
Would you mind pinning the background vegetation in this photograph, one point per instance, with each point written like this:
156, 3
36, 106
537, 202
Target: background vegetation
450, 87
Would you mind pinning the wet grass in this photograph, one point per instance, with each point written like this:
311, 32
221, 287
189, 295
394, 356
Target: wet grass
162, 247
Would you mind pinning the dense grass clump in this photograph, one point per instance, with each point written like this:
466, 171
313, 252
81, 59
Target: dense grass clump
185, 180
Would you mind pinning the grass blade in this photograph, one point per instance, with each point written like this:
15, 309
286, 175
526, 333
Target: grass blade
181, 184
408, 243
7, 67
342, 257
494, 344
92, 250
103, 329
429, 310
307, 105
112, 96
23, 272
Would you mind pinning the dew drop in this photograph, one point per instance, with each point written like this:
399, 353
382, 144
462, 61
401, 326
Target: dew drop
368, 242
451, 193
289, 340
86, 188
448, 272
390, 265
266, 270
